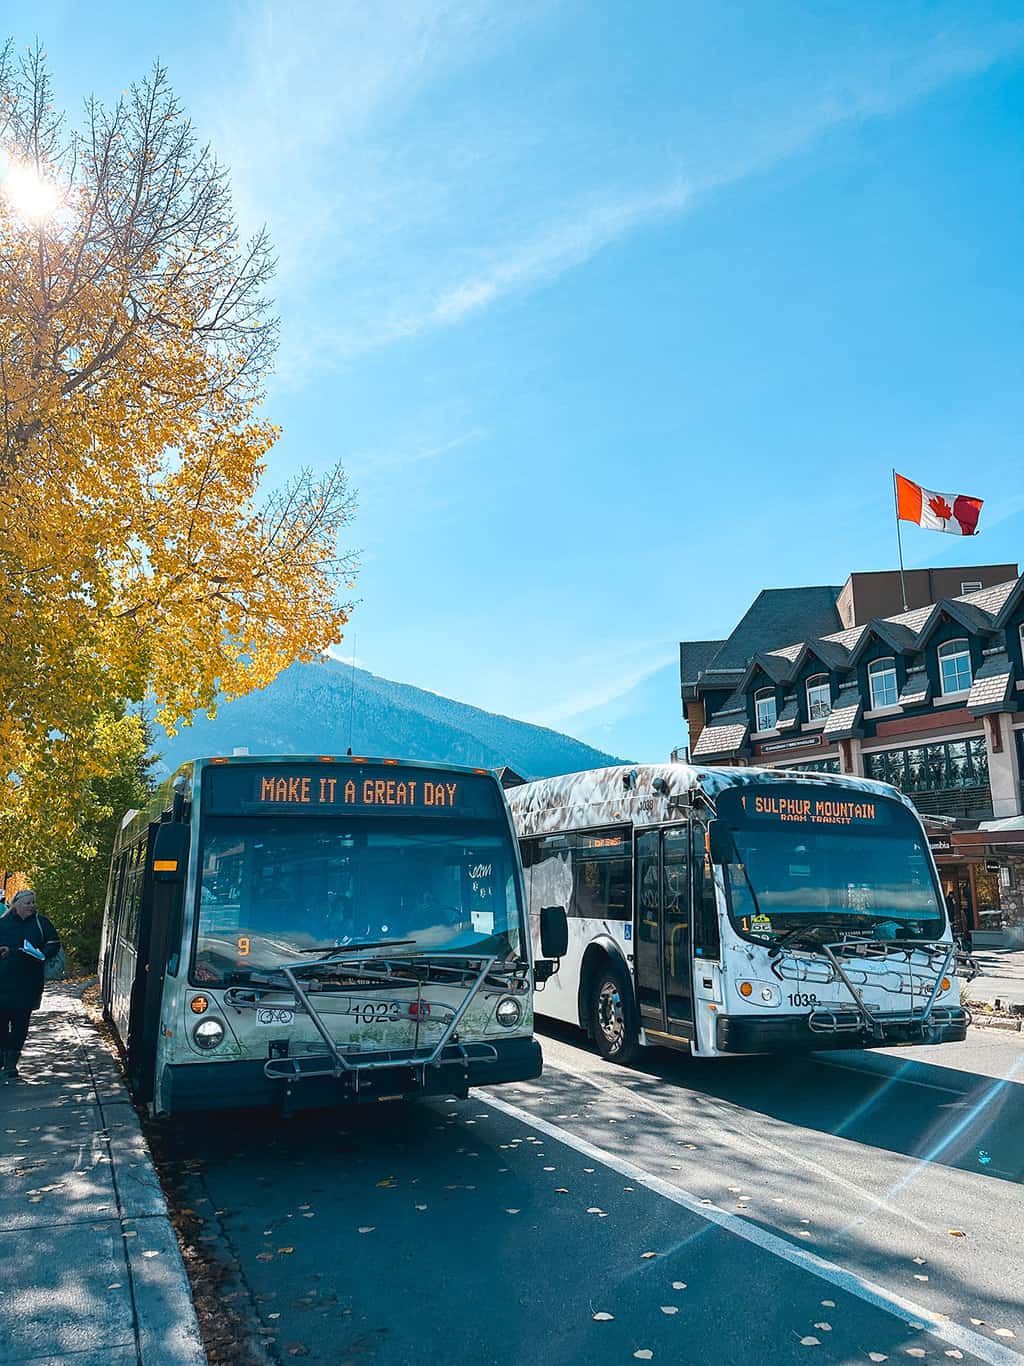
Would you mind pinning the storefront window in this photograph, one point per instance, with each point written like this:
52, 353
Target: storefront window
952, 765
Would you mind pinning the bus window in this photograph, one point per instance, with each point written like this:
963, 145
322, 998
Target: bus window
601, 876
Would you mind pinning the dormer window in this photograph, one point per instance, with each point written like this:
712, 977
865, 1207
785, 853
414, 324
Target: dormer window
765, 713
955, 667
819, 697
973, 587
882, 683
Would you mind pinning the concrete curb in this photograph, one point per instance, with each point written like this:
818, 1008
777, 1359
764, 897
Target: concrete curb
167, 1330
90, 1268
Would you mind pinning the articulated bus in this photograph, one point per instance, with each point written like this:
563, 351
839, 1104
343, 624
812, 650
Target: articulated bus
304, 931
739, 911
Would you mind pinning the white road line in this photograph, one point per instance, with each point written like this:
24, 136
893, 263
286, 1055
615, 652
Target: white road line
882, 1077
849, 1281
749, 1136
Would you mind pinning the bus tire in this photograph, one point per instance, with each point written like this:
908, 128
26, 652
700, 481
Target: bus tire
611, 1013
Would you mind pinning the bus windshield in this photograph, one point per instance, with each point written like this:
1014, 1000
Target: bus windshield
837, 859
275, 891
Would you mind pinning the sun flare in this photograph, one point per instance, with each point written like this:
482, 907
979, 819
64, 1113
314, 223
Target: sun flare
32, 197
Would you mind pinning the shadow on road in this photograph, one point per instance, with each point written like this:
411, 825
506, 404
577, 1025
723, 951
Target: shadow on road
960, 1119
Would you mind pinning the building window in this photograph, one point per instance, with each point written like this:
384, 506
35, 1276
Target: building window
950, 766
819, 697
882, 682
764, 709
813, 766
955, 667
970, 587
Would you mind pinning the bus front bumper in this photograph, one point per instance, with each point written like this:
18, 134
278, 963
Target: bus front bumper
243, 1083
793, 1033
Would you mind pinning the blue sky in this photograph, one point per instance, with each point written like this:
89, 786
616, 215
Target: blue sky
616, 313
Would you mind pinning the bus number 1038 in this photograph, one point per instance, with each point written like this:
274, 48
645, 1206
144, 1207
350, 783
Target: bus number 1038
801, 998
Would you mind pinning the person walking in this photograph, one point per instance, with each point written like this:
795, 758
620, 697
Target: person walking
27, 942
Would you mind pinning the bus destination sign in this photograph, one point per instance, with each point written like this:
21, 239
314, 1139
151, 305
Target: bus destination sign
248, 789
802, 809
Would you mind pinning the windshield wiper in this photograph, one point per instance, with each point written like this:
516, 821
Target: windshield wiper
794, 932
355, 947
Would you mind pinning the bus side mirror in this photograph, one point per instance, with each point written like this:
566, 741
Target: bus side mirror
554, 931
720, 843
170, 852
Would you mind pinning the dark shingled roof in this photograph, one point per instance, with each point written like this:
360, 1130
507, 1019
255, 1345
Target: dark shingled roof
695, 656
780, 614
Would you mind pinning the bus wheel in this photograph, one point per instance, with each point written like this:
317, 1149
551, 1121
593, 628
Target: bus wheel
612, 1015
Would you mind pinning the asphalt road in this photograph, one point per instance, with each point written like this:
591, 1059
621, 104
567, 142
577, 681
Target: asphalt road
842, 1208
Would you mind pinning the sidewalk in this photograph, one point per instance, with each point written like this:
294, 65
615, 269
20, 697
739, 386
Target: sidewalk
90, 1270
1001, 977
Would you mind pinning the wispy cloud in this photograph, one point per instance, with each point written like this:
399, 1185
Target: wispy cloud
609, 680
388, 209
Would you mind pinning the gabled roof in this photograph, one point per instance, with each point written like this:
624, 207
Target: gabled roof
971, 618
776, 666
1010, 602
899, 638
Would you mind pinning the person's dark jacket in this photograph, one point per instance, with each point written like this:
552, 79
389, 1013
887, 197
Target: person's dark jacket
21, 975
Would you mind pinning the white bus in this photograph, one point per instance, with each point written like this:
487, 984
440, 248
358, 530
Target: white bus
306, 931
738, 910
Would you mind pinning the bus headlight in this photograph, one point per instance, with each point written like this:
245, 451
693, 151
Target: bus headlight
509, 1012
208, 1034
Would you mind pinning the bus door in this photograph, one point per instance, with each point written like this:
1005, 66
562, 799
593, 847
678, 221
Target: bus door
159, 946
663, 931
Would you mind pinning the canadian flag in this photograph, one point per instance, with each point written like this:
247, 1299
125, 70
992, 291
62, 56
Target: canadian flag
956, 513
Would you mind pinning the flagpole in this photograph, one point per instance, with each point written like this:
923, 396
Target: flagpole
899, 538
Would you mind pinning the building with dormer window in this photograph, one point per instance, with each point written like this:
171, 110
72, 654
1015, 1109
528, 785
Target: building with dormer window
930, 700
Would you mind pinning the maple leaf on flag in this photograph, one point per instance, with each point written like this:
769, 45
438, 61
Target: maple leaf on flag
940, 507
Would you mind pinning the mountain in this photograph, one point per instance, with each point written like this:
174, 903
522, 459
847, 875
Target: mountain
323, 707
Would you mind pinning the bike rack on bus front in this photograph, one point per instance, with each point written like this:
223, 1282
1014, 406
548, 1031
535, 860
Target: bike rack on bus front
868, 1020
291, 1069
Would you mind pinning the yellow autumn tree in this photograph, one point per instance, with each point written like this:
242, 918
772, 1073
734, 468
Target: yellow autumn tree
139, 554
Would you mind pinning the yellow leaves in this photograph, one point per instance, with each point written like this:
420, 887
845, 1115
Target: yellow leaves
140, 555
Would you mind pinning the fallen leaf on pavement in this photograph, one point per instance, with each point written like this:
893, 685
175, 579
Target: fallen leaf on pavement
957, 1233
